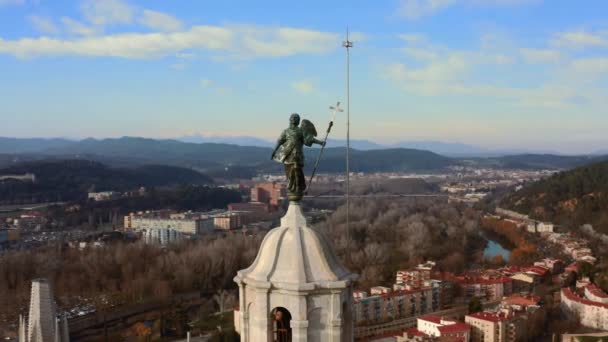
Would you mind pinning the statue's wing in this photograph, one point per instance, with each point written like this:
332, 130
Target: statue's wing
308, 128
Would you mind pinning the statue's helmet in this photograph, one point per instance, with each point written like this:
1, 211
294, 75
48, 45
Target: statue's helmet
294, 118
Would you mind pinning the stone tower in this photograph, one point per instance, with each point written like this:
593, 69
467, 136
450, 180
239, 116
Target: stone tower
296, 289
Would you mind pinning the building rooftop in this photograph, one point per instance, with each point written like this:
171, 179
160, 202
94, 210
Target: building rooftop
296, 255
517, 299
454, 328
483, 280
415, 332
497, 316
431, 318
538, 270
596, 291
568, 293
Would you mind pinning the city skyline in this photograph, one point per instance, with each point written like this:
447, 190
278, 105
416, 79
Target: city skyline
525, 74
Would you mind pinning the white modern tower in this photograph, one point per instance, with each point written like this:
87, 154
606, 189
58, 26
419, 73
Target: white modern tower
295, 272
42, 324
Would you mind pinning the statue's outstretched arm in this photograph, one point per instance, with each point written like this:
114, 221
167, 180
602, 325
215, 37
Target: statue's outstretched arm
280, 142
318, 142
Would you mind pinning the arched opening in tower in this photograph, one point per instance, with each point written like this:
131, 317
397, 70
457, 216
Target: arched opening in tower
281, 324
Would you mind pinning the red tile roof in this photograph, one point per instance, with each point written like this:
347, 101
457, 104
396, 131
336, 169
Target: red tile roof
457, 327
573, 267
491, 316
536, 270
574, 297
483, 281
431, 318
521, 300
414, 332
596, 291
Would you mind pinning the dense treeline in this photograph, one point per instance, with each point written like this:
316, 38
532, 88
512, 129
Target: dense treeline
387, 235
375, 186
571, 198
123, 273
69, 180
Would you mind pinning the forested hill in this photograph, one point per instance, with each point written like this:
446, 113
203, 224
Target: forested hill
169, 152
71, 180
573, 198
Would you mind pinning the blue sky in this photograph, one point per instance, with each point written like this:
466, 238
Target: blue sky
495, 73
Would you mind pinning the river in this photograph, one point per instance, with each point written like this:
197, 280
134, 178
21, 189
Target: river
494, 248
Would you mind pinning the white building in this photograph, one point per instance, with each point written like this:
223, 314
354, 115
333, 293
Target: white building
540, 227
28, 177
595, 294
296, 288
378, 290
103, 196
498, 326
591, 314
185, 226
163, 236
445, 329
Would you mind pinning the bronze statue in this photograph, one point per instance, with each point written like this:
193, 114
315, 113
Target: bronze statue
291, 143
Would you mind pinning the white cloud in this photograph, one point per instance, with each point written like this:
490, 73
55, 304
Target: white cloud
413, 37
75, 27
419, 53
439, 71
580, 39
433, 54
358, 37
439, 80
185, 55
43, 24
285, 41
592, 66
304, 86
160, 21
414, 9
540, 55
503, 2
104, 12
239, 41
502, 60
205, 83
179, 66
448, 69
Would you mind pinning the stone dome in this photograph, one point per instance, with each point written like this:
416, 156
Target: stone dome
295, 256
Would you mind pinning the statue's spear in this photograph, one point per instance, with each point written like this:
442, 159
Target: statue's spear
334, 111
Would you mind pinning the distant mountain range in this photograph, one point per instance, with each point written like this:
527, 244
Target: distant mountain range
451, 149
31, 145
221, 159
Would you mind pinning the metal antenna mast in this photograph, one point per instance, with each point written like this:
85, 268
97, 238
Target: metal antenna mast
347, 44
